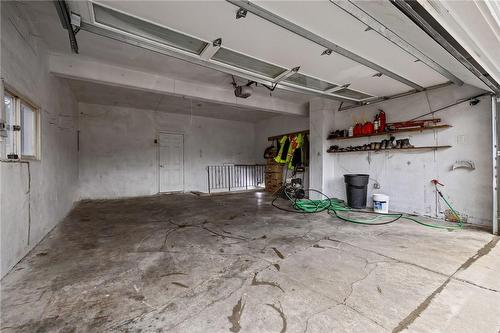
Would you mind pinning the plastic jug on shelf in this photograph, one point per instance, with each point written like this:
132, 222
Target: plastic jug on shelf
358, 129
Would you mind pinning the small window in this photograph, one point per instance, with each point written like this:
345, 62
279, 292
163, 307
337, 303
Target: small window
242, 61
10, 122
309, 82
144, 29
22, 127
28, 131
351, 94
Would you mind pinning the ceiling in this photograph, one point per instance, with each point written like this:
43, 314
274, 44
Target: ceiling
268, 42
93, 93
47, 25
257, 38
476, 27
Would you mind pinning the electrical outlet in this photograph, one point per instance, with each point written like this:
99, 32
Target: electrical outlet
376, 185
461, 139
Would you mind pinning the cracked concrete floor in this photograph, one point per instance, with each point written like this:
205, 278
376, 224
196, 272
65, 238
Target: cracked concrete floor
233, 263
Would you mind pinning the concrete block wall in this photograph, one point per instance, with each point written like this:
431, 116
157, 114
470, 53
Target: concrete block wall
35, 195
118, 156
406, 176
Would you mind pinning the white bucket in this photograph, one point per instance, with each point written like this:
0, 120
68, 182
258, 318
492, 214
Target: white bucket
381, 203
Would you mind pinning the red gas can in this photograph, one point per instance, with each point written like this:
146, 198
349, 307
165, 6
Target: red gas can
358, 129
367, 128
381, 118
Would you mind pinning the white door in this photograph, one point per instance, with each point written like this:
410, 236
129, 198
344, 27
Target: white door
171, 162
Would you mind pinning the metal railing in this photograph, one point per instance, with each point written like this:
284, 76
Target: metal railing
235, 177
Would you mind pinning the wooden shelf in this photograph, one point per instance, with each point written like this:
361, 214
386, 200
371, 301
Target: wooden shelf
419, 129
393, 150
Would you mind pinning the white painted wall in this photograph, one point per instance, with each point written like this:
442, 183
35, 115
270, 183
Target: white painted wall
405, 176
118, 156
321, 118
32, 207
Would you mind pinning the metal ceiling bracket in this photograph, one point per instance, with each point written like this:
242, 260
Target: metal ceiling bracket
76, 20
209, 51
327, 52
298, 30
358, 13
286, 74
424, 20
241, 13
194, 59
342, 87
217, 42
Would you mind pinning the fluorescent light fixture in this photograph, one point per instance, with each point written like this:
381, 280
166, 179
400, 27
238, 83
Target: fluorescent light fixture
144, 29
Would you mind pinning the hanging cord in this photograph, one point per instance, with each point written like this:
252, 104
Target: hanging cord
470, 99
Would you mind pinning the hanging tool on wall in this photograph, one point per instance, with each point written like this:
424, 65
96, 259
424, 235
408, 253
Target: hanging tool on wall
295, 152
469, 165
284, 144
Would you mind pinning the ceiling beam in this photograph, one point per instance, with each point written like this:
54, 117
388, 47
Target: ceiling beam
292, 27
211, 49
77, 68
388, 34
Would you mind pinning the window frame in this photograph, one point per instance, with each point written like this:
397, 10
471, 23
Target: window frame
19, 100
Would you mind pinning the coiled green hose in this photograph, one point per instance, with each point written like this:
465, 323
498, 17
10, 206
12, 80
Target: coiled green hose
333, 206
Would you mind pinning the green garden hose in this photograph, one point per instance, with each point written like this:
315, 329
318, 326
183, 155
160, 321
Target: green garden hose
333, 206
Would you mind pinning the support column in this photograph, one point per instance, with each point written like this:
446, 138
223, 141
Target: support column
321, 164
495, 104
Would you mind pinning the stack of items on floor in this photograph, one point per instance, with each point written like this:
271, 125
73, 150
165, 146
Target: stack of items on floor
274, 175
292, 151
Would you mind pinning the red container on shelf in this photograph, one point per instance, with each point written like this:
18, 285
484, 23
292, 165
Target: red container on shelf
381, 119
358, 129
367, 128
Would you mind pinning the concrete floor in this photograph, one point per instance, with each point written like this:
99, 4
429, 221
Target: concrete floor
233, 263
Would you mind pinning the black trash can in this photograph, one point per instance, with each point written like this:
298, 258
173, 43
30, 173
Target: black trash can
356, 186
